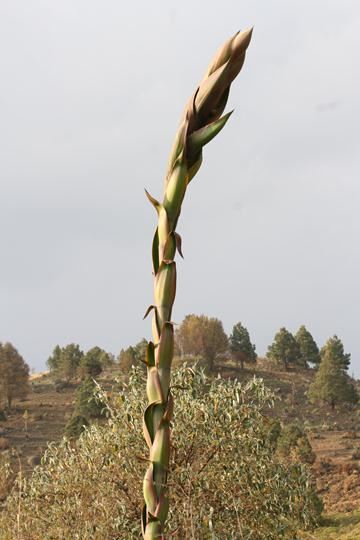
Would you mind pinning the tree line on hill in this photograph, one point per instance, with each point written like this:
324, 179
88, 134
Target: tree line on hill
201, 338
332, 383
70, 361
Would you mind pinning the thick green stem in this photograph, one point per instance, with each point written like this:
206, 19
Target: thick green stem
201, 123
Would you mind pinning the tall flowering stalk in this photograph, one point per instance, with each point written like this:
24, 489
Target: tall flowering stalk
201, 122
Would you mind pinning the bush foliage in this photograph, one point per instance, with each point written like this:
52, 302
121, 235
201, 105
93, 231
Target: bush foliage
224, 480
293, 443
75, 426
87, 403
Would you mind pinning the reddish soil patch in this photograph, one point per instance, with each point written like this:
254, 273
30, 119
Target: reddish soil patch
336, 471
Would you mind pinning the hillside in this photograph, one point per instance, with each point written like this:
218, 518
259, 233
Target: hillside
334, 436
40, 418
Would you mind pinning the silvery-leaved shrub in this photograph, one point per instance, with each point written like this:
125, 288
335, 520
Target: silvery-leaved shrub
224, 481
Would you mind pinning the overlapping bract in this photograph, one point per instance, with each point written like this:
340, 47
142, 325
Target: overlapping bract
201, 122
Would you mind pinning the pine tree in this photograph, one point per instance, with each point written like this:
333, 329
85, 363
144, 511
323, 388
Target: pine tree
54, 361
71, 356
335, 345
14, 374
308, 349
240, 345
332, 385
65, 361
91, 363
284, 349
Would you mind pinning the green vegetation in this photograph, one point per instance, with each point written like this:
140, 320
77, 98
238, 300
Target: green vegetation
332, 385
274, 431
337, 527
241, 348
292, 443
309, 351
70, 361
335, 346
337, 483
285, 350
127, 359
87, 407
54, 361
75, 426
14, 374
133, 356
91, 363
65, 361
225, 482
87, 404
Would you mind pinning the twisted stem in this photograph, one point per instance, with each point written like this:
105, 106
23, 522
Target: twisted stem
201, 122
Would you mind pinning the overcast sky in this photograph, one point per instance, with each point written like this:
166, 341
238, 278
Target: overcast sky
91, 95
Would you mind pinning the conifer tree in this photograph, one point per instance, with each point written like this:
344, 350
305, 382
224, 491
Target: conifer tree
309, 350
240, 345
331, 384
14, 374
284, 349
104, 358
335, 345
91, 363
54, 361
71, 356
65, 361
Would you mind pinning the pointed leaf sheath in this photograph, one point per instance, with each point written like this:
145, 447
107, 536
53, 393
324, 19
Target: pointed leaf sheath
201, 122
202, 136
